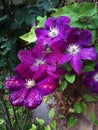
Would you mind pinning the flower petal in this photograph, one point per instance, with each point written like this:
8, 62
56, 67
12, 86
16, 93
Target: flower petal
26, 57
88, 53
50, 23
76, 64
24, 71
62, 21
34, 99
40, 73
14, 83
64, 58
17, 98
47, 86
39, 49
85, 38
52, 57
41, 32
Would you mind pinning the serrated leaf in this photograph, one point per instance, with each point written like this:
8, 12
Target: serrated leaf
53, 125
51, 113
40, 121
88, 98
93, 117
70, 78
83, 107
47, 127
77, 107
71, 122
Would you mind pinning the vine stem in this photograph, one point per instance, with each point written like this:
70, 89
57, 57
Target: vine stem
5, 112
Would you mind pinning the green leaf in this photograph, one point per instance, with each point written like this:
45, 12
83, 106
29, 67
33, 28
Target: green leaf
53, 125
88, 68
34, 127
51, 113
88, 98
96, 46
40, 121
2, 121
41, 21
47, 127
71, 122
3, 18
70, 78
30, 37
63, 86
77, 107
93, 117
87, 9
83, 107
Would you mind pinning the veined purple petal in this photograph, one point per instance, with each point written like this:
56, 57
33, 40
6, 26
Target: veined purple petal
17, 98
64, 58
34, 99
76, 64
24, 71
41, 32
47, 86
64, 31
88, 53
26, 57
85, 38
50, 23
39, 49
14, 83
63, 21
58, 45
40, 73
52, 57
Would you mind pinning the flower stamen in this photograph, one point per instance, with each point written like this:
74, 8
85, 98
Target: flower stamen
29, 83
53, 32
73, 49
95, 77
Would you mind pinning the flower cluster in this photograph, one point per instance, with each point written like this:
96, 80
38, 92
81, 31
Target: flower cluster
40, 70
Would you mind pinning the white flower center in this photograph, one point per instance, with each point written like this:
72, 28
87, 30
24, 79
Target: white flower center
38, 62
73, 49
29, 83
96, 77
53, 32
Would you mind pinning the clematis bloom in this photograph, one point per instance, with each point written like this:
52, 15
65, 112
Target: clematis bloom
77, 48
54, 28
91, 79
28, 88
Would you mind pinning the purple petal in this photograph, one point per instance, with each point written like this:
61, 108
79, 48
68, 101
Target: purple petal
88, 53
41, 32
58, 45
24, 71
64, 58
14, 83
39, 49
85, 38
40, 73
62, 21
26, 57
17, 98
50, 23
47, 86
52, 57
76, 64
34, 99
64, 31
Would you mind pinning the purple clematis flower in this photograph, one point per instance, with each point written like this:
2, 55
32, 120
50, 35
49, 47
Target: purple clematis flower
77, 48
39, 56
28, 88
91, 79
55, 28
